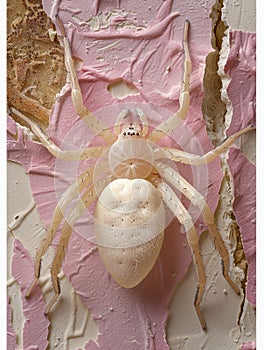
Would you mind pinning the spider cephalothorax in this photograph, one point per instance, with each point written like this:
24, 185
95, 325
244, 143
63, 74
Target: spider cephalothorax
130, 211
131, 156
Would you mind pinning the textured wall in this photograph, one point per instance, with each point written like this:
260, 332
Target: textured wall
131, 56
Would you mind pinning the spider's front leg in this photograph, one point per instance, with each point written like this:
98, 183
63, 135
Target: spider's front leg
185, 219
170, 124
70, 155
95, 124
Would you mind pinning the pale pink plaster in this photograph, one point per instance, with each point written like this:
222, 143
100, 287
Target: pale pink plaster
241, 67
127, 319
251, 345
35, 330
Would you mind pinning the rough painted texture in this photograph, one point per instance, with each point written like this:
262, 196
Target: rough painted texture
241, 67
140, 313
251, 345
11, 335
35, 331
127, 319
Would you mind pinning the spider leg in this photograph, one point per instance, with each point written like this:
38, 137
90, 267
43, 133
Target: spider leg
174, 203
193, 159
87, 198
197, 199
83, 181
170, 124
70, 155
95, 124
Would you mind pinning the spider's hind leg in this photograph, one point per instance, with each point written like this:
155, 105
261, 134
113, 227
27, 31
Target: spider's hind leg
57, 263
173, 202
87, 198
42, 249
219, 244
197, 199
78, 186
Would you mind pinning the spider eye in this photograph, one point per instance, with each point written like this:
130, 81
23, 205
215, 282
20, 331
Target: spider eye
124, 133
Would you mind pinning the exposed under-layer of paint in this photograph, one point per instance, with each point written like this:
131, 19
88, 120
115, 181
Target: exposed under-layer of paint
251, 345
241, 67
36, 324
145, 51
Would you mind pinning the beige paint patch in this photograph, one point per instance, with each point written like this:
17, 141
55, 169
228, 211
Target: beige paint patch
121, 89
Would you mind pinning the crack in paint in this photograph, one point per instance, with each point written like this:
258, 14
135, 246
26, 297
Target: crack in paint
220, 37
213, 107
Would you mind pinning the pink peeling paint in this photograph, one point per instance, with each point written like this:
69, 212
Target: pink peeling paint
248, 346
35, 330
241, 67
136, 318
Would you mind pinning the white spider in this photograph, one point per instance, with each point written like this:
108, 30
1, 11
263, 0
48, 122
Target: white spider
130, 211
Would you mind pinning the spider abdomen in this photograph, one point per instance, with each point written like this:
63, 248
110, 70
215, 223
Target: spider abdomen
130, 266
129, 228
131, 158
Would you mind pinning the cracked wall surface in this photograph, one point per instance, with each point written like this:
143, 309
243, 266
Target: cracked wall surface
35, 67
36, 75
